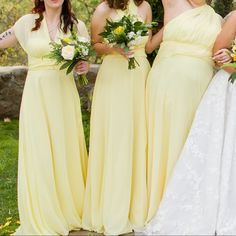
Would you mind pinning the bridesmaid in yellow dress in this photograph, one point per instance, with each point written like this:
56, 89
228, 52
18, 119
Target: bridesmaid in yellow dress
178, 79
116, 194
52, 151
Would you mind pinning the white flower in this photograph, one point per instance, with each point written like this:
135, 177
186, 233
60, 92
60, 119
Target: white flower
132, 43
83, 39
85, 51
139, 32
131, 35
68, 52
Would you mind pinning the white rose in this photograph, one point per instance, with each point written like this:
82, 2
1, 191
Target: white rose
83, 39
85, 51
68, 52
131, 35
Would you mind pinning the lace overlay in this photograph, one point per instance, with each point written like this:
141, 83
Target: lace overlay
201, 196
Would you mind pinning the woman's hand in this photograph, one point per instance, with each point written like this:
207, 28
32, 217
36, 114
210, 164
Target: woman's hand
82, 67
122, 52
222, 56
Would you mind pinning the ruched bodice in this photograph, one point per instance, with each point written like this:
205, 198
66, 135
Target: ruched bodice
187, 35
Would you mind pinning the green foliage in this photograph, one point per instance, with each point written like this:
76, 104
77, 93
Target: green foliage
86, 125
8, 174
10, 11
157, 10
84, 9
223, 7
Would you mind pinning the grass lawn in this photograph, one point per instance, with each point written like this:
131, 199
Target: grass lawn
9, 219
8, 174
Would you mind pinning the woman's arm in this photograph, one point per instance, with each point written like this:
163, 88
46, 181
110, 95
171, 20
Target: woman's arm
82, 67
7, 39
227, 34
224, 40
154, 40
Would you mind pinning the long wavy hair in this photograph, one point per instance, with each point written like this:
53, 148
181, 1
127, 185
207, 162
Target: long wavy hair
122, 4
67, 18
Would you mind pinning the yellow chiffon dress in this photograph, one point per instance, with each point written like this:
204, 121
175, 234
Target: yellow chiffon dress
52, 150
176, 83
116, 192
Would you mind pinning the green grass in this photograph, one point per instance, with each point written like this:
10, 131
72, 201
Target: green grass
9, 219
8, 174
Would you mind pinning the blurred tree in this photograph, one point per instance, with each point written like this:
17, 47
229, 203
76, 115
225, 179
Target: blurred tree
223, 7
157, 10
10, 11
84, 9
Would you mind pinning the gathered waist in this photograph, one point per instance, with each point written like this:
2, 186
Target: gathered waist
43, 67
172, 48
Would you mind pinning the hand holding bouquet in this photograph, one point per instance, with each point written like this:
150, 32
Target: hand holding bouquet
232, 64
69, 51
126, 34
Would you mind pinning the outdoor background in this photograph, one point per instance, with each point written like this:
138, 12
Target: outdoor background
10, 11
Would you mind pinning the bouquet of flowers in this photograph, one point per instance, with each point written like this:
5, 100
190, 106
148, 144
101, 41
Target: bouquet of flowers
232, 64
68, 51
126, 34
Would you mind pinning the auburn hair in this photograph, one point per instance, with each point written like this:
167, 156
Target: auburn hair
122, 4
67, 18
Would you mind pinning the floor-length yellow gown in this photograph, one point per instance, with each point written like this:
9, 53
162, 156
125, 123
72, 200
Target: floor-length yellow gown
178, 79
52, 150
116, 193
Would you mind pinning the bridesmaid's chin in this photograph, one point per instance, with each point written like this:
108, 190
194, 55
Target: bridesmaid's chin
54, 3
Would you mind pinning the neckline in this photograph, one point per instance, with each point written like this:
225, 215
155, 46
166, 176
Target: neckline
183, 13
47, 31
130, 7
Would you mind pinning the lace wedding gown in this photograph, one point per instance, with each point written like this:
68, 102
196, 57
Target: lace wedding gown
200, 198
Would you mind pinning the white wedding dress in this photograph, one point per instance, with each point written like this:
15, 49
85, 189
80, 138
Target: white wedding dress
201, 196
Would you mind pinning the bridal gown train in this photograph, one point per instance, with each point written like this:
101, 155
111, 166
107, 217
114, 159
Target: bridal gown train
200, 198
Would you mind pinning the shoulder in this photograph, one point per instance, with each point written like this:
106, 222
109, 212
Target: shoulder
25, 23
145, 5
102, 9
230, 19
232, 15
27, 18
